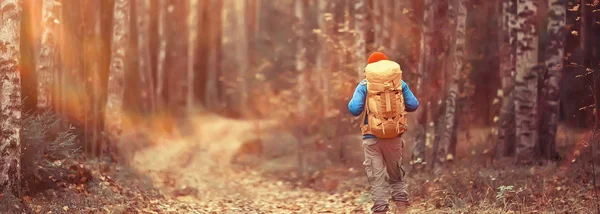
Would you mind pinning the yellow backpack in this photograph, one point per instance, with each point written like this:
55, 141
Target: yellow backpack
384, 104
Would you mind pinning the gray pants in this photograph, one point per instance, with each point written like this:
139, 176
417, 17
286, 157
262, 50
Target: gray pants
381, 156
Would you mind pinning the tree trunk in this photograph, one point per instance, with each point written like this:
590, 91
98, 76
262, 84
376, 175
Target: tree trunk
211, 96
425, 60
506, 120
46, 56
554, 65
377, 14
299, 30
147, 96
192, 34
162, 53
324, 56
10, 98
387, 12
360, 29
457, 58
236, 60
113, 117
526, 81
92, 55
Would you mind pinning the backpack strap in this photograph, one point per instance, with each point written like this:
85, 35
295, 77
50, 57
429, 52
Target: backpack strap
365, 127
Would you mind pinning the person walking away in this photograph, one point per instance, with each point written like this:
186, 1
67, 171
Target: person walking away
383, 99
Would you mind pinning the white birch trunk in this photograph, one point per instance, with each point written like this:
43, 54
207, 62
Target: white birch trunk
144, 63
116, 78
418, 156
387, 12
10, 97
554, 64
457, 66
300, 55
526, 80
192, 34
162, 53
360, 29
506, 121
46, 55
211, 96
236, 59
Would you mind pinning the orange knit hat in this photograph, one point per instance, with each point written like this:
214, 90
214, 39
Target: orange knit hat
376, 56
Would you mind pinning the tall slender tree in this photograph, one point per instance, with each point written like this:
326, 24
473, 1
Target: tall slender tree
114, 114
456, 67
162, 53
211, 97
554, 65
301, 60
10, 97
526, 80
192, 34
506, 120
425, 61
46, 55
360, 29
146, 82
236, 59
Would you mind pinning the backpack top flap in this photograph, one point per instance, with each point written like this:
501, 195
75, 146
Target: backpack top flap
381, 74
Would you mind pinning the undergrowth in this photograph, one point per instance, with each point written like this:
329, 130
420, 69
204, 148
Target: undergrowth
48, 152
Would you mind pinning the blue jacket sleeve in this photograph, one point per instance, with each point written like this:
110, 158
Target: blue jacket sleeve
357, 103
410, 101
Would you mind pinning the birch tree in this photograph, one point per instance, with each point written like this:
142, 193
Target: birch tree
554, 64
324, 16
387, 13
92, 53
213, 67
162, 52
299, 30
360, 29
425, 60
46, 55
147, 96
506, 120
116, 78
10, 97
526, 80
236, 59
192, 34
376, 13
457, 66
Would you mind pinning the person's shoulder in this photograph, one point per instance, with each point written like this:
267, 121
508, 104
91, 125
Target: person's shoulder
363, 82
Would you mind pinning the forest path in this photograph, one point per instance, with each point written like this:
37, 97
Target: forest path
196, 169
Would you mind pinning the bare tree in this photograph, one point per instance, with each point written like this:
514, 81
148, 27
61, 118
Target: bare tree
506, 121
162, 52
299, 30
526, 80
10, 98
113, 117
214, 35
387, 13
551, 89
147, 96
46, 55
192, 34
236, 60
360, 29
456, 68
425, 60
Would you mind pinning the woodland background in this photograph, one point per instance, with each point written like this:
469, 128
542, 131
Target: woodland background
166, 106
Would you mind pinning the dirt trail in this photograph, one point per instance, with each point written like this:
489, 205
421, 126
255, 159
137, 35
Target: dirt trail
196, 168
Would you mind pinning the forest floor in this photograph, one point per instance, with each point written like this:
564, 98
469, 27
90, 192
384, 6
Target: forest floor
192, 174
